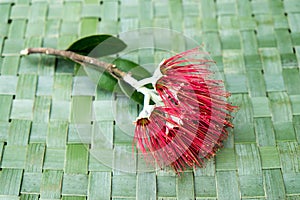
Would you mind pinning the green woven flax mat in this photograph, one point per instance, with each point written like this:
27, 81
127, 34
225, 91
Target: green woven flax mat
46, 154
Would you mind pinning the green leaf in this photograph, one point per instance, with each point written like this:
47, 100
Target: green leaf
97, 45
107, 82
135, 69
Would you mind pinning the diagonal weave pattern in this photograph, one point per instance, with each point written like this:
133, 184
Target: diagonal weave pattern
256, 43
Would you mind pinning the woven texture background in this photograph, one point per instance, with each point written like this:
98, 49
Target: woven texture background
256, 43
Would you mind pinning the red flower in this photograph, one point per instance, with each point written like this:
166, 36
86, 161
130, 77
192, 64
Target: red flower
190, 124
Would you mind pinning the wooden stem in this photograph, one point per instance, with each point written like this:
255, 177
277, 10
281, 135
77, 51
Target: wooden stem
111, 68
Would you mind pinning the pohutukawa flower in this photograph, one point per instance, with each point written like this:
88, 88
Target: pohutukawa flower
187, 125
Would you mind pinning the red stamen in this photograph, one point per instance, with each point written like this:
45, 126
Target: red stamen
191, 125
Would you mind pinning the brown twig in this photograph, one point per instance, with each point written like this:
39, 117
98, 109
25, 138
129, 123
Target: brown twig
111, 68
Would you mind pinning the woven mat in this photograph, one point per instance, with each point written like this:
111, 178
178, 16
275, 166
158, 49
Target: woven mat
255, 42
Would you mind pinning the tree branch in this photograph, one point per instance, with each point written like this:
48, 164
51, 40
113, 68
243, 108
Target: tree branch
111, 68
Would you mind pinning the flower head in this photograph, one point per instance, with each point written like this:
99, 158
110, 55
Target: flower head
190, 124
